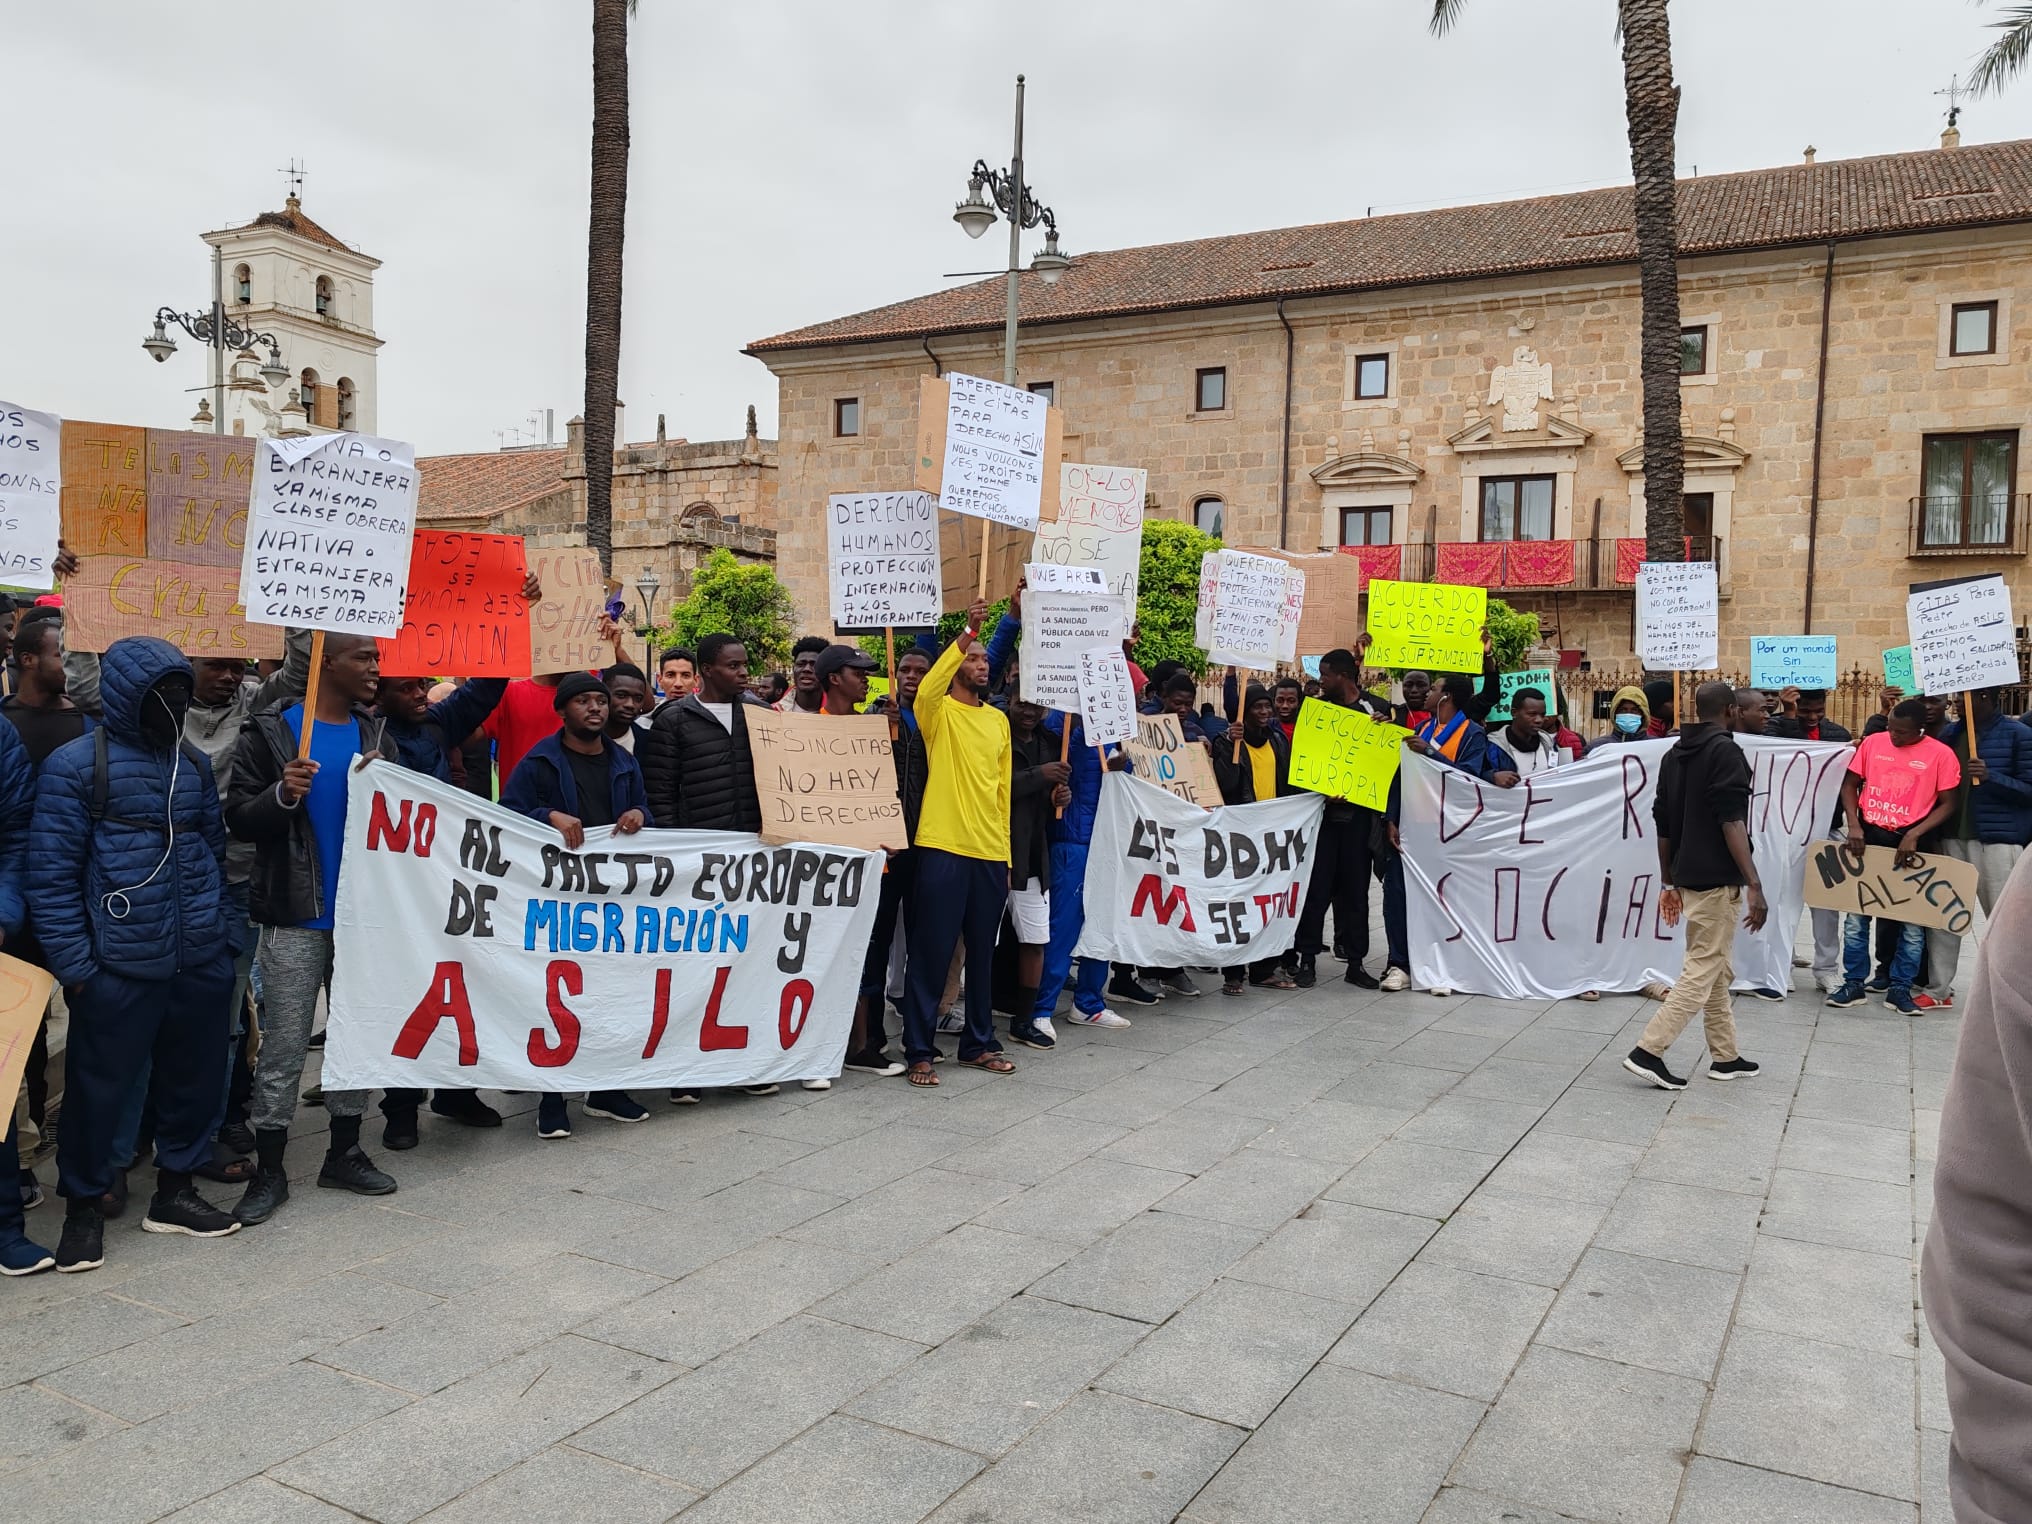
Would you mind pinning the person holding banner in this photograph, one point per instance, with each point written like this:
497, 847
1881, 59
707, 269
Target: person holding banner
963, 855
1262, 770
575, 779
19, 1255
1037, 786
1990, 826
1342, 861
126, 874
293, 808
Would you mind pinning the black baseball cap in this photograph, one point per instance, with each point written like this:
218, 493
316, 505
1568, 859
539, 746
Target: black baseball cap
839, 658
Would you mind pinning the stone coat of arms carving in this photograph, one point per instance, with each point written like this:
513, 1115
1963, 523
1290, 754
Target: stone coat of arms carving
1520, 386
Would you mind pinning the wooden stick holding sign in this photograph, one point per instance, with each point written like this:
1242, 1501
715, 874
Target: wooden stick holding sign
895, 704
1065, 751
1968, 732
310, 688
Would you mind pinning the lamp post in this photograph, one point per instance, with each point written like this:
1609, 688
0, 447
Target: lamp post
646, 588
1012, 196
220, 333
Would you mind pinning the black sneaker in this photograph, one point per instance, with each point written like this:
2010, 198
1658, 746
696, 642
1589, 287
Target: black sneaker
691, 1097
760, 1089
237, 1137
463, 1107
1307, 973
1878, 985
83, 1245
874, 1061
1121, 987
1361, 978
265, 1192
1847, 994
187, 1212
316, 1039
1771, 995
1900, 1000
1732, 1068
400, 1133
1027, 1034
1647, 1065
354, 1171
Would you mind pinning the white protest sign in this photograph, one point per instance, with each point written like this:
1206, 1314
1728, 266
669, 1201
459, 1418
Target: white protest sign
1551, 888
1107, 703
994, 452
882, 548
475, 949
1049, 577
1172, 885
1209, 591
1962, 635
1678, 616
1250, 597
1100, 523
31, 479
328, 533
1057, 627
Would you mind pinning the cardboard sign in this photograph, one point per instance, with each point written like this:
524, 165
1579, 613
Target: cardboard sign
882, 551
1100, 523
1514, 683
198, 493
1162, 756
934, 399
1107, 702
1936, 891
1793, 661
1248, 620
827, 778
1678, 616
959, 560
1898, 671
1962, 634
31, 502
464, 615
1332, 610
564, 629
1049, 577
1057, 627
1433, 626
24, 996
328, 533
1345, 754
197, 609
105, 488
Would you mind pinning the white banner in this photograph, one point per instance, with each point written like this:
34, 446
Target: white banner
1551, 888
328, 533
1170, 885
31, 484
475, 949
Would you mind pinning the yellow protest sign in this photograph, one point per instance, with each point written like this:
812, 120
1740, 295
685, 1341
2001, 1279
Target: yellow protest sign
1344, 754
1433, 625
878, 690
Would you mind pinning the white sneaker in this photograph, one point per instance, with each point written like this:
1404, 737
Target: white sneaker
1394, 979
1043, 1024
1101, 1018
815, 1084
952, 1022
1440, 990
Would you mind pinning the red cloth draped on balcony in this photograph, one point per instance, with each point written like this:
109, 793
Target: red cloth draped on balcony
1538, 563
1630, 555
1385, 561
1468, 563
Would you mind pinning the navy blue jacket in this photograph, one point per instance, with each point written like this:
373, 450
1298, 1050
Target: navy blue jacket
17, 808
542, 782
426, 746
2000, 807
140, 892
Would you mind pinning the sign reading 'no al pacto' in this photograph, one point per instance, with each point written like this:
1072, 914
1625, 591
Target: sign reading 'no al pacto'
1932, 891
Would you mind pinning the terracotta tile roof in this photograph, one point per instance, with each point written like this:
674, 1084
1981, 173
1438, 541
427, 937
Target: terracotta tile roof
1759, 209
292, 220
460, 486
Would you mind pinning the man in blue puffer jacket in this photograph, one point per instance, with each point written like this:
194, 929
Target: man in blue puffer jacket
126, 869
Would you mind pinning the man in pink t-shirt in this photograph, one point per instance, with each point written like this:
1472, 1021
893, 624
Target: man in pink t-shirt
1901, 783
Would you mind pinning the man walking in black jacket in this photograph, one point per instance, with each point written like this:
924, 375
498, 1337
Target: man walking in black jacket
1705, 869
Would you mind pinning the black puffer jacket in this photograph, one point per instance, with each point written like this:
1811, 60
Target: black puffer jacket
913, 770
699, 776
287, 885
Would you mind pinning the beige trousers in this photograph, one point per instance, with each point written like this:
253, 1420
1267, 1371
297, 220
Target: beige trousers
1703, 983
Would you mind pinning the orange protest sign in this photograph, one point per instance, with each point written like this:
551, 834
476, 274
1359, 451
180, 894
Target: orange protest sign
198, 491
565, 627
463, 614
104, 501
197, 609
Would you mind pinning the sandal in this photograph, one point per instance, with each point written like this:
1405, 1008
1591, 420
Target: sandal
1277, 981
994, 1063
1232, 987
226, 1171
922, 1075
1590, 995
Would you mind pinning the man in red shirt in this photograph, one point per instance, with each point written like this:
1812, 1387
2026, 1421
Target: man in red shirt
526, 714
1901, 784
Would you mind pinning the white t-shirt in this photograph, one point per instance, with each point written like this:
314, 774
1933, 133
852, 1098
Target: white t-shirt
724, 713
1543, 758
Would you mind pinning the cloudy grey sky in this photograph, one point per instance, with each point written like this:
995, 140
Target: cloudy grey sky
796, 160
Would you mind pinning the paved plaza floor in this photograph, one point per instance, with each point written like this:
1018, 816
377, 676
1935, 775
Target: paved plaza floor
1325, 1256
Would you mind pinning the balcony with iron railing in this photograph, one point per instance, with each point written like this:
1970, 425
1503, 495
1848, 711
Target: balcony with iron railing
1968, 524
1606, 565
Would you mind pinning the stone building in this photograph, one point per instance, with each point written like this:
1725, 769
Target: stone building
675, 502
1454, 394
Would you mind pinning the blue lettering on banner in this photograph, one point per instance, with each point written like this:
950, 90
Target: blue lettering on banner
601, 926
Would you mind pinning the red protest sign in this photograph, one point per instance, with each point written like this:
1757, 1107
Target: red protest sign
464, 615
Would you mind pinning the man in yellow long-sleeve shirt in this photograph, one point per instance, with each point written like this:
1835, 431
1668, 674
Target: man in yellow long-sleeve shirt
962, 852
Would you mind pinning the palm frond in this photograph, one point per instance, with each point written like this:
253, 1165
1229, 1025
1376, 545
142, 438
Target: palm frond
2005, 59
1444, 14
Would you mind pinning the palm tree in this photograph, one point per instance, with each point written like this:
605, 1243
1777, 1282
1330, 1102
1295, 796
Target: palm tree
606, 227
2004, 60
1651, 103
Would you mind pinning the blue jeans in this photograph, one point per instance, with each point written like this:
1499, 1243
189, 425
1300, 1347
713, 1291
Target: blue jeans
1856, 952
1068, 916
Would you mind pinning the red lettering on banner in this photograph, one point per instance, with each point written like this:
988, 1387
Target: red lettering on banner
1151, 896
447, 998
797, 998
659, 1014
712, 1037
563, 977
394, 835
